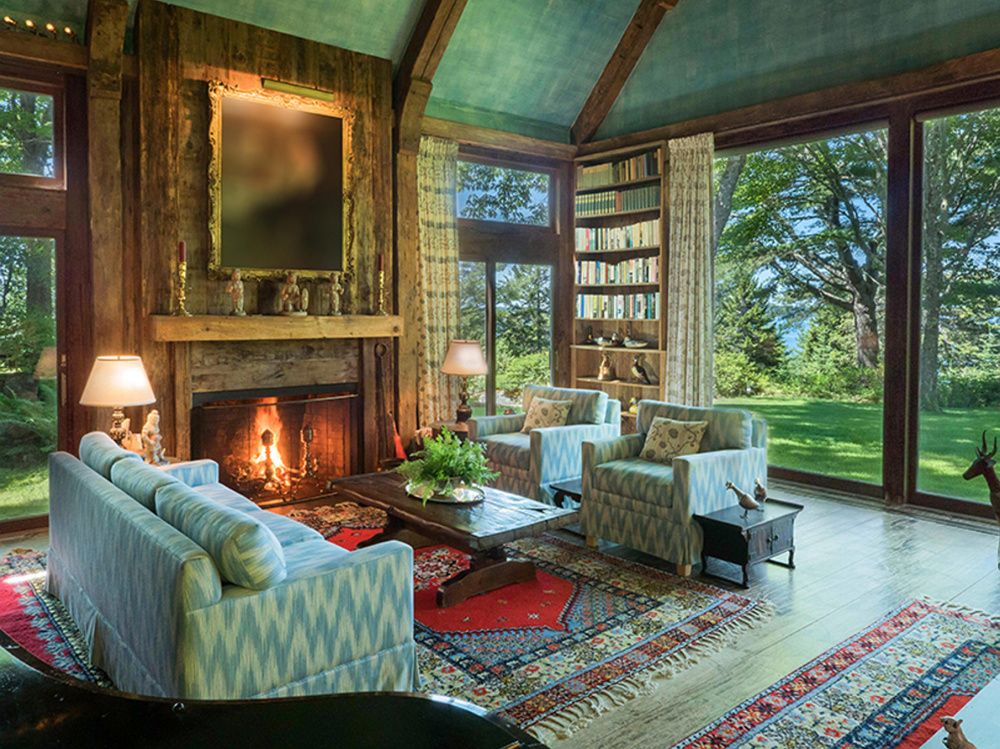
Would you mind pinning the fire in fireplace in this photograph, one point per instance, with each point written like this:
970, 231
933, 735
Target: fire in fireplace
278, 448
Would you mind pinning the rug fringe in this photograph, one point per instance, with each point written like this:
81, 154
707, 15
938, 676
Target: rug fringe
961, 608
570, 720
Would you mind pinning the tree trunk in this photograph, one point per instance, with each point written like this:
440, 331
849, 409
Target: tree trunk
723, 207
866, 330
933, 275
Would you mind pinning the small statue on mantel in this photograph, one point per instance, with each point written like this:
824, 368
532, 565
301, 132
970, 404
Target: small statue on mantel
235, 289
336, 290
152, 442
294, 300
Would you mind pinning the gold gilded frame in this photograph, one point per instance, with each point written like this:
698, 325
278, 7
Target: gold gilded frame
217, 91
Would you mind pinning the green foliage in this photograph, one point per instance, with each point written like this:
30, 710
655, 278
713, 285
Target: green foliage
826, 366
735, 375
26, 141
519, 371
28, 429
970, 387
494, 193
472, 300
447, 458
524, 309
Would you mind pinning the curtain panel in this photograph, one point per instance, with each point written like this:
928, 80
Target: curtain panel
436, 317
690, 287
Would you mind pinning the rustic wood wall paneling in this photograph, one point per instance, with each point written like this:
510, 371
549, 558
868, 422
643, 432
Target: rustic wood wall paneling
369, 414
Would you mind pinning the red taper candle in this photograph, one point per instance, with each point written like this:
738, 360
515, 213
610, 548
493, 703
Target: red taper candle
381, 263
182, 252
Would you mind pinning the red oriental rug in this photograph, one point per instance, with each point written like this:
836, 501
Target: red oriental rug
885, 688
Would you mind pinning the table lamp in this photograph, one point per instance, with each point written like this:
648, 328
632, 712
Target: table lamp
116, 382
465, 359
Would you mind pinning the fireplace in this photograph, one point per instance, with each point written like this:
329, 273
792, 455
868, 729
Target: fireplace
281, 445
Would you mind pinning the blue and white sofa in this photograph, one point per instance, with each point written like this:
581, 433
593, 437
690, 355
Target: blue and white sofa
183, 588
649, 506
529, 464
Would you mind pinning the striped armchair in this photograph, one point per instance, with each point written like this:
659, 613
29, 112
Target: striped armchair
649, 506
529, 464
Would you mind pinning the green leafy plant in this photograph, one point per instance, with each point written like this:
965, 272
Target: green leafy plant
447, 460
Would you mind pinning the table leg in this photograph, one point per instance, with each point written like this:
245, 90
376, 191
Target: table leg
558, 498
487, 571
746, 578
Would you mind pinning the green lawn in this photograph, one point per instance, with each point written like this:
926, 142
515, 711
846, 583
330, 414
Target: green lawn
845, 439
24, 492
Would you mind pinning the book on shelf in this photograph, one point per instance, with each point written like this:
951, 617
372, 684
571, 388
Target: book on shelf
616, 201
619, 306
625, 170
633, 270
597, 238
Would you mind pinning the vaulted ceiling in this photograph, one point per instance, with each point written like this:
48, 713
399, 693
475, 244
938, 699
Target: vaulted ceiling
528, 66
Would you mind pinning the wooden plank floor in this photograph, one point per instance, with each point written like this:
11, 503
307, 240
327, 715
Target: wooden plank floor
855, 562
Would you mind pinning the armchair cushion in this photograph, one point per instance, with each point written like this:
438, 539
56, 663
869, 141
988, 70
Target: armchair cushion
544, 413
668, 438
727, 428
512, 450
589, 406
637, 479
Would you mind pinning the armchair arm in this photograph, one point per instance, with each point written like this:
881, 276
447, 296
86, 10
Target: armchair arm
555, 451
194, 472
700, 479
485, 426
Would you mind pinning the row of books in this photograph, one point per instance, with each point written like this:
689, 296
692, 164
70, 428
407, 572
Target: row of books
596, 238
635, 270
637, 167
612, 201
619, 306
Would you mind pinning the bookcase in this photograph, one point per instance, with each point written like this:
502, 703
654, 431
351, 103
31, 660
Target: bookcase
620, 254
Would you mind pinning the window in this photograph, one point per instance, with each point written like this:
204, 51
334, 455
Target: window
800, 248
495, 193
524, 330
960, 316
27, 138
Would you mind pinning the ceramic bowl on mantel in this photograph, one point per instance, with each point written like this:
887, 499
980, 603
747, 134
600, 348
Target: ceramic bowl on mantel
452, 492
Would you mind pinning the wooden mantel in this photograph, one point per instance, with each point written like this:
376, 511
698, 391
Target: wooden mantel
272, 327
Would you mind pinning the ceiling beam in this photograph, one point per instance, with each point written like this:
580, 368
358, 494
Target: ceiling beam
412, 84
630, 48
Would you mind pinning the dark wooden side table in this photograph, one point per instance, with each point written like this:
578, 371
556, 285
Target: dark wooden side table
459, 429
568, 489
758, 537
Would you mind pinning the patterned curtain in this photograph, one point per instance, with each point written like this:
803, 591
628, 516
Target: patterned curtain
689, 285
437, 277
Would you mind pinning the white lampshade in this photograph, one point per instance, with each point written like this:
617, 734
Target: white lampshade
117, 381
464, 358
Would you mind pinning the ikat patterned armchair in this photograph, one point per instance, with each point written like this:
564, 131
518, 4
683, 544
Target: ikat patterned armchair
649, 506
529, 464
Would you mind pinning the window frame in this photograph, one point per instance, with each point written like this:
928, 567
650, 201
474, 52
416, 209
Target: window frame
56, 90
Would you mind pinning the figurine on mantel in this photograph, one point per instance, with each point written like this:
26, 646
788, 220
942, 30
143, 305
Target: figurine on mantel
336, 290
152, 442
294, 300
235, 289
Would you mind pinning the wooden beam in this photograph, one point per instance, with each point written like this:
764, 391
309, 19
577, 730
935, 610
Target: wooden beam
106, 21
37, 50
430, 38
33, 208
630, 48
271, 327
728, 126
472, 135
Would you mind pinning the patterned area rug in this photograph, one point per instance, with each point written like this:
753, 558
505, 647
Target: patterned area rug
346, 524
885, 688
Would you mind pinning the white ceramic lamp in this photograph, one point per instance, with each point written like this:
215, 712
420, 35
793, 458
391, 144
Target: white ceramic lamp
464, 359
116, 382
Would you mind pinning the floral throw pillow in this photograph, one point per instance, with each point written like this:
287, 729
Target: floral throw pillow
668, 438
545, 413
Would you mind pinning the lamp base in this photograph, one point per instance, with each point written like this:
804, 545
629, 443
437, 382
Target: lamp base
118, 431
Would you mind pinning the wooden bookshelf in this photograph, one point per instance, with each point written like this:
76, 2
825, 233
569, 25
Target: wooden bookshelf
606, 233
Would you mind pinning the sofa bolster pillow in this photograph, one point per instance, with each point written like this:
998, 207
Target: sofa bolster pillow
99, 451
140, 481
245, 551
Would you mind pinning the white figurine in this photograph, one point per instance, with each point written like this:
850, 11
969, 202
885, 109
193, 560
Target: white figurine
235, 289
336, 289
294, 300
152, 442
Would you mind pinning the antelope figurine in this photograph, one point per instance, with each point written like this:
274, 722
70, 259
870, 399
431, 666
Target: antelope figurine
983, 466
954, 736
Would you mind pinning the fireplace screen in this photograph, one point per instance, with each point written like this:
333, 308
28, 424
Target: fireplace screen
279, 449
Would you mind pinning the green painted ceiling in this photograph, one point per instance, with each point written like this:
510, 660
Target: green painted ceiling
527, 66
711, 56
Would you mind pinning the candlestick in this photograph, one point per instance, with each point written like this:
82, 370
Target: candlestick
181, 289
381, 292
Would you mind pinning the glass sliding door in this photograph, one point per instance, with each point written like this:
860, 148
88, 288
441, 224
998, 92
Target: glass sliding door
799, 245
960, 315
524, 331
28, 393
473, 320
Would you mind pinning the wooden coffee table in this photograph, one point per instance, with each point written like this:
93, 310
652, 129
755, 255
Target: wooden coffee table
479, 529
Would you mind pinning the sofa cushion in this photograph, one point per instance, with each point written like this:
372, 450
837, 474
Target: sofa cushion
668, 438
227, 497
242, 547
140, 481
286, 530
509, 450
638, 479
589, 406
99, 451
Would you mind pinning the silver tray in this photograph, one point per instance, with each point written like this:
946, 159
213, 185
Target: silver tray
459, 495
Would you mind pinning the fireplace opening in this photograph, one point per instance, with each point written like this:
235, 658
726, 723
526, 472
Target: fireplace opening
281, 446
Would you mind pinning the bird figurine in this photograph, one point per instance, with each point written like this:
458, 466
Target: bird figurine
589, 340
640, 371
759, 493
746, 501
633, 406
